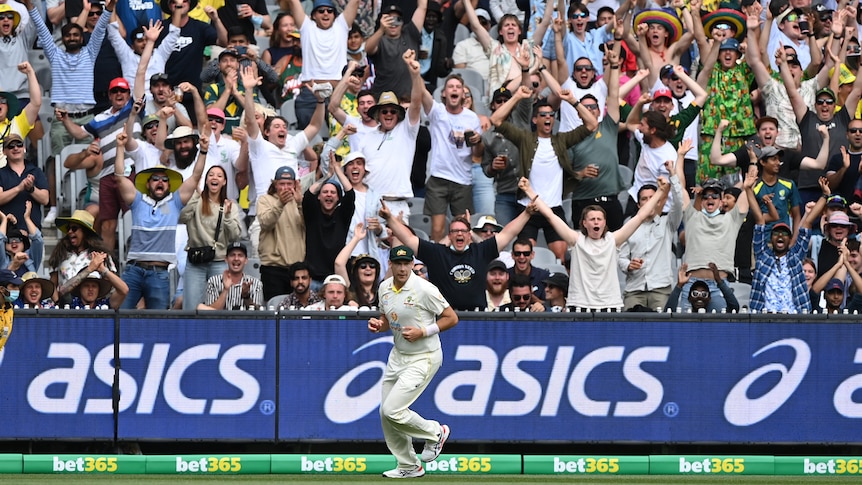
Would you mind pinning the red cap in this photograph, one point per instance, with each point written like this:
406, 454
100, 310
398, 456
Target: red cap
119, 82
662, 93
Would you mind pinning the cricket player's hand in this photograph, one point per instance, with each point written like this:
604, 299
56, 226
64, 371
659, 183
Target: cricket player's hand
412, 334
374, 325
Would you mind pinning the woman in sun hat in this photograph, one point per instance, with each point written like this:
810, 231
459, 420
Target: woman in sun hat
78, 253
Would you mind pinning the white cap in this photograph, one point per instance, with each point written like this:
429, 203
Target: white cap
334, 278
481, 12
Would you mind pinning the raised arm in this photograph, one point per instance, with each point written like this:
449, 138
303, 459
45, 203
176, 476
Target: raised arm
418, 18
709, 60
482, 35
752, 57
350, 10
298, 12
622, 234
633, 121
399, 230
812, 216
800, 109
612, 75
125, 187
414, 111
31, 111
818, 163
190, 185
502, 113
249, 81
344, 255
715, 155
559, 225
335, 108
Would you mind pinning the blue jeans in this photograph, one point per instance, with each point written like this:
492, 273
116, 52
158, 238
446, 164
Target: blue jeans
483, 191
507, 208
716, 301
154, 285
195, 281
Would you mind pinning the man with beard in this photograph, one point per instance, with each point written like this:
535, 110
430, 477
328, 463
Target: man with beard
328, 207
72, 73
699, 296
523, 255
300, 283
183, 145
156, 198
496, 286
234, 289
282, 232
653, 133
522, 297
779, 282
390, 147
162, 96
457, 269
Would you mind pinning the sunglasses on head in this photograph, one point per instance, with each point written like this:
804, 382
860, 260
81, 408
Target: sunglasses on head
139, 36
584, 68
521, 297
521, 253
7, 16
722, 26
159, 178
699, 293
325, 10
825, 101
14, 144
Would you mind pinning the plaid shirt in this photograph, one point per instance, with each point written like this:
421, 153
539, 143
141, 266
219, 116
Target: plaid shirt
765, 269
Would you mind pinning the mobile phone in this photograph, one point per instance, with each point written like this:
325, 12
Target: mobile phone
359, 71
396, 22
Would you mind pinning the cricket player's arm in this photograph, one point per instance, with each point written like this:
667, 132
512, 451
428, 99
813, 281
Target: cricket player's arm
377, 325
447, 319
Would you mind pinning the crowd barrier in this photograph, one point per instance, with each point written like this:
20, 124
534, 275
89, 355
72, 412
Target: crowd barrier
318, 464
291, 377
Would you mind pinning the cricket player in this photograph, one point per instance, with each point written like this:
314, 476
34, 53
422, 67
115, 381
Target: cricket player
416, 312
10, 285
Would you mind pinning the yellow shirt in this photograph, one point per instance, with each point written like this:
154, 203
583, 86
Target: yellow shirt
5, 325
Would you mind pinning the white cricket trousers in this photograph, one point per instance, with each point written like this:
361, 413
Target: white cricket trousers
406, 377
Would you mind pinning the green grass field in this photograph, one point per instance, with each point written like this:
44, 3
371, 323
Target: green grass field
428, 479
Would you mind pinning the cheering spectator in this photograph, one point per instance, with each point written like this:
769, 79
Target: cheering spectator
21, 183
35, 292
388, 44
282, 234
496, 286
232, 289
106, 291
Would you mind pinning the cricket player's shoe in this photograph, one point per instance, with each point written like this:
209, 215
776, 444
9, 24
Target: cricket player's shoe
432, 449
405, 472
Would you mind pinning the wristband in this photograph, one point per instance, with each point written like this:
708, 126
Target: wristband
203, 152
542, 68
617, 66
837, 37
430, 330
576, 103
525, 70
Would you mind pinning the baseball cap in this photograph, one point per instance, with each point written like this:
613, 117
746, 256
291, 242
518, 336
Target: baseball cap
237, 245
334, 278
159, 76
729, 44
322, 3
119, 82
501, 93
558, 279
401, 253
712, 184
827, 92
285, 173
497, 264
834, 284
836, 201
770, 151
391, 9
218, 113
12, 137
230, 51
482, 13
781, 227
482, 221
662, 93
7, 276
149, 119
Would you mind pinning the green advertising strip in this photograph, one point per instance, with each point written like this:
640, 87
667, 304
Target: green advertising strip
711, 465
818, 465
209, 464
475, 465
85, 464
11, 463
325, 464
586, 465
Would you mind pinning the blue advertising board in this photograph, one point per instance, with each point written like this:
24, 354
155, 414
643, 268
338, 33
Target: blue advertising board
662, 381
197, 378
57, 374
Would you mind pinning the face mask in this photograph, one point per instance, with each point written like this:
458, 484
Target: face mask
13, 295
712, 214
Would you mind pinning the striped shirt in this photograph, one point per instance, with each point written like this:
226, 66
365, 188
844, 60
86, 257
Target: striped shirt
154, 228
72, 74
105, 127
234, 300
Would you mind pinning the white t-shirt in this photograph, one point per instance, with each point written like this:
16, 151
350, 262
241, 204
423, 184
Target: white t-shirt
323, 51
450, 155
651, 165
569, 117
265, 158
145, 156
593, 276
224, 153
389, 158
546, 175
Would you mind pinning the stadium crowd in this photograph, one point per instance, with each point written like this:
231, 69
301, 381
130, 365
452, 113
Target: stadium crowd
535, 156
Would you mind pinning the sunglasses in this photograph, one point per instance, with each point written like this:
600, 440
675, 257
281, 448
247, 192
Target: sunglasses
854, 130
578, 15
73, 228
367, 265
14, 144
420, 271
389, 111
711, 195
521, 253
3, 101
7, 16
792, 17
546, 114
826, 18
521, 297
592, 106
699, 293
825, 101
151, 125
584, 68
118, 90
216, 119
325, 10
95, 14
160, 178
722, 26
15, 240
